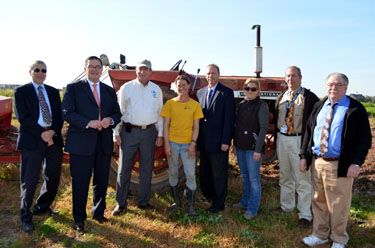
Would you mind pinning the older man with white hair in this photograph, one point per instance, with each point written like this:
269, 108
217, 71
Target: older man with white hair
335, 144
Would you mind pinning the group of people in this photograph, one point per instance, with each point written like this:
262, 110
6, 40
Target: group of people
320, 144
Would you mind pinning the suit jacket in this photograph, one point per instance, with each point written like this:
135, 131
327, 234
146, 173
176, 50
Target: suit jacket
79, 107
217, 125
27, 112
355, 138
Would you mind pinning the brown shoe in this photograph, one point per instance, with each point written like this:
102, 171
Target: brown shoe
303, 223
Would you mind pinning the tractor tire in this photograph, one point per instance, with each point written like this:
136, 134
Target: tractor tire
160, 173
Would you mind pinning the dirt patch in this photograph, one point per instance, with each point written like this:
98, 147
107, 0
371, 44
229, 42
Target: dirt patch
364, 184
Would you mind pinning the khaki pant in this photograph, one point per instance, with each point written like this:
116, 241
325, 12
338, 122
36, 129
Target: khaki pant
331, 201
291, 179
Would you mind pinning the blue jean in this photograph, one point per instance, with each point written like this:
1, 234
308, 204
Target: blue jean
250, 172
178, 150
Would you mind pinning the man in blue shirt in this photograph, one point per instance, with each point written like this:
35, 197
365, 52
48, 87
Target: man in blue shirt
335, 144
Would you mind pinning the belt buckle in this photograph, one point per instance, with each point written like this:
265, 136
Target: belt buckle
144, 127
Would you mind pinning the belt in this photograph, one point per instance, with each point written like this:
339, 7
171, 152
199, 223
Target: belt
326, 158
142, 127
46, 128
292, 134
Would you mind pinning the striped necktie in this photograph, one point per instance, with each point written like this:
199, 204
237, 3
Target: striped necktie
325, 131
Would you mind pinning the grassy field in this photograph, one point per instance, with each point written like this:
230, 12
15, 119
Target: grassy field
139, 228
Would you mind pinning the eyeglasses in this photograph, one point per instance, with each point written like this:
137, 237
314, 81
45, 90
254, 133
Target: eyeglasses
330, 85
250, 88
97, 67
38, 70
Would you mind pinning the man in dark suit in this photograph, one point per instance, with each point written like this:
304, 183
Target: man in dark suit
215, 134
91, 109
38, 109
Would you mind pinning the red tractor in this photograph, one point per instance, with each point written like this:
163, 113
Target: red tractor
119, 73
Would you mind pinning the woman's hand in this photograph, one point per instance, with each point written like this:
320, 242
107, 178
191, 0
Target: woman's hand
256, 157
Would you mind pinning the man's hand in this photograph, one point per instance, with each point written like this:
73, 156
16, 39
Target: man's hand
159, 141
106, 122
353, 171
224, 147
191, 150
118, 140
95, 124
302, 165
47, 136
256, 156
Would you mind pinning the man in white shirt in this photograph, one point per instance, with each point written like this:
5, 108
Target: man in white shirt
140, 102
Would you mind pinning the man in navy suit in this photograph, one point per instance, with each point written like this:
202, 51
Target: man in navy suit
91, 109
215, 134
38, 109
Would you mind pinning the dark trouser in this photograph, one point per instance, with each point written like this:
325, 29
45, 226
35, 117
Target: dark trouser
49, 158
81, 169
142, 140
213, 172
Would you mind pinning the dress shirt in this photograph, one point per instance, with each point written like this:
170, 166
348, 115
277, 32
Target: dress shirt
337, 124
209, 90
298, 107
141, 105
40, 120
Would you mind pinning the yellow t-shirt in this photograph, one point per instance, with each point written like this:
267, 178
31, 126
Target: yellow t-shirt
182, 116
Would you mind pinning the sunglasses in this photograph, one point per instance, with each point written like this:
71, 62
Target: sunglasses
250, 88
38, 70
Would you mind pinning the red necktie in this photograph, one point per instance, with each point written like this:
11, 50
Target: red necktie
96, 96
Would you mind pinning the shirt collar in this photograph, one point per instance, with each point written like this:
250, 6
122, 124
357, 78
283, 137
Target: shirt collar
92, 83
37, 85
341, 102
213, 88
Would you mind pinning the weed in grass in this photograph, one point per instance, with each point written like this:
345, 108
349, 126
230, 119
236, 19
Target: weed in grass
205, 239
6, 242
248, 238
203, 217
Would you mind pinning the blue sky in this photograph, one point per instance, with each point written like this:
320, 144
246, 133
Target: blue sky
318, 36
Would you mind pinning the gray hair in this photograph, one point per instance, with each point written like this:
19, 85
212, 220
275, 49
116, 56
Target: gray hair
214, 65
37, 62
341, 75
296, 68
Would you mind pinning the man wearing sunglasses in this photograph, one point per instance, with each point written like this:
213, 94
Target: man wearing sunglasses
293, 108
38, 109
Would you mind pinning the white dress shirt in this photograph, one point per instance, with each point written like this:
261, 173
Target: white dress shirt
141, 105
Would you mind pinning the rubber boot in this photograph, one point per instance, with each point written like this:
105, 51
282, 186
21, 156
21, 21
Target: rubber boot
190, 195
176, 198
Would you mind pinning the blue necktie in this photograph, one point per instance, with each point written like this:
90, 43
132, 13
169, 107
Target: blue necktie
209, 96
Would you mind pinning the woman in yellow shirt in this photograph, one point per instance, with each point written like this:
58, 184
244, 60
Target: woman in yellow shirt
181, 127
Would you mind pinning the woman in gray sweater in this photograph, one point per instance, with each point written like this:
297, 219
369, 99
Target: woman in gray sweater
250, 131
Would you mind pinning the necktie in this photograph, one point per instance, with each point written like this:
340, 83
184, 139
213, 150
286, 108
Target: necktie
325, 131
96, 96
46, 114
209, 96
289, 117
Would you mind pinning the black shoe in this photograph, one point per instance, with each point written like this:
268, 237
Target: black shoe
100, 219
48, 211
303, 223
213, 210
80, 226
27, 226
119, 210
146, 207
